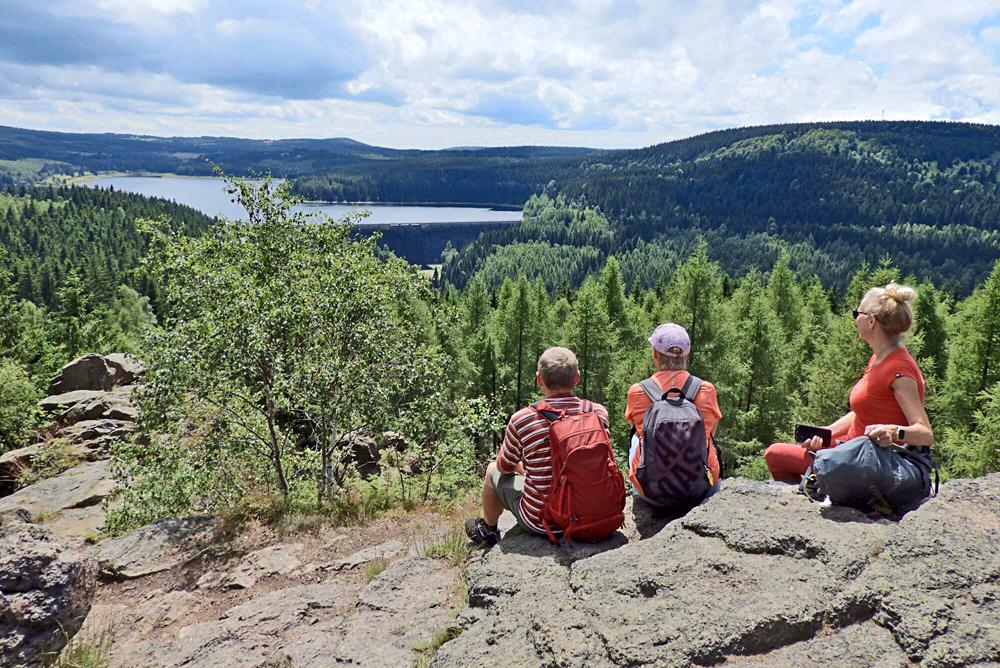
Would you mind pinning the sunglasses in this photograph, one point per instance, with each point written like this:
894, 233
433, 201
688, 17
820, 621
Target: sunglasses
856, 313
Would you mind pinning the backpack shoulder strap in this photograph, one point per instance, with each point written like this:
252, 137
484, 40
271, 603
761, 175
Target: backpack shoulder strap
546, 411
691, 387
652, 389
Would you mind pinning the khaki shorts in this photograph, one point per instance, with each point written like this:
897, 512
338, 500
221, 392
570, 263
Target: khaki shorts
509, 488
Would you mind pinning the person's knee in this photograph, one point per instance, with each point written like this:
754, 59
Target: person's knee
771, 455
776, 460
490, 475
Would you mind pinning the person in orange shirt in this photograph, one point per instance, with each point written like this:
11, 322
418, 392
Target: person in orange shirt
671, 347
887, 404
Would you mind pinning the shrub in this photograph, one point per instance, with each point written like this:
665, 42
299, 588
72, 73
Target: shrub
19, 414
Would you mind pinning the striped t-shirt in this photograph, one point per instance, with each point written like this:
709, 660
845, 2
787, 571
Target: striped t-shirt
526, 439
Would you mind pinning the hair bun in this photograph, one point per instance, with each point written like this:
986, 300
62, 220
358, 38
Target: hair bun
900, 293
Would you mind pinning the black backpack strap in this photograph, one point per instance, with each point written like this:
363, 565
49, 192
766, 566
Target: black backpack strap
652, 389
691, 387
551, 416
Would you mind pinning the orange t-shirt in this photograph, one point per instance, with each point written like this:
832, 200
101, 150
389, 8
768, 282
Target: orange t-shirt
706, 401
872, 398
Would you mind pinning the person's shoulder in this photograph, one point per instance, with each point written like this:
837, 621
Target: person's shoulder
635, 389
707, 386
521, 415
905, 362
600, 408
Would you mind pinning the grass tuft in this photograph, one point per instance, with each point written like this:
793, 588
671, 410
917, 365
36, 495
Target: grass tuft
426, 651
87, 653
374, 569
454, 547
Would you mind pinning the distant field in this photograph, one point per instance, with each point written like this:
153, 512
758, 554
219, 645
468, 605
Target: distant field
33, 169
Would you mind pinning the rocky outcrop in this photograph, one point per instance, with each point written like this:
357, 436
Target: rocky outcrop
87, 405
46, 590
97, 372
339, 620
757, 574
91, 409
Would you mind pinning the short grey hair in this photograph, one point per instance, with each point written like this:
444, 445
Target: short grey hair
670, 362
558, 368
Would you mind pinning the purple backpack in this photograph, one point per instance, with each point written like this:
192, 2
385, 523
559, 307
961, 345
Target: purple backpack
673, 469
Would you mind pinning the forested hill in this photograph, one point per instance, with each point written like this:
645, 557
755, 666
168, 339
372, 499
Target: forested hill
51, 236
787, 177
834, 195
27, 155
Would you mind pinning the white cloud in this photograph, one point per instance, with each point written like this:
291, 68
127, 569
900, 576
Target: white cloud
439, 73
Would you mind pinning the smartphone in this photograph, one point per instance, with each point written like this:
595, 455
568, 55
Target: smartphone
806, 431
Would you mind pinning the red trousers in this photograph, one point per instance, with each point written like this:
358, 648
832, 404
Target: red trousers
787, 461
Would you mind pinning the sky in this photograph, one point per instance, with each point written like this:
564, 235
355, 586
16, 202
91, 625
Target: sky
436, 74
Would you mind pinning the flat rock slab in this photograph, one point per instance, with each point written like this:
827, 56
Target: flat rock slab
338, 622
81, 486
94, 430
156, 547
387, 550
113, 405
755, 575
78, 525
268, 562
57, 403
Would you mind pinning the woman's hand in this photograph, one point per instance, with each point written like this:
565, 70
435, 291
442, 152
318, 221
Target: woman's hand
812, 444
882, 435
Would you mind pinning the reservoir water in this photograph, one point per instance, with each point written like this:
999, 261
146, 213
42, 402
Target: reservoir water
207, 195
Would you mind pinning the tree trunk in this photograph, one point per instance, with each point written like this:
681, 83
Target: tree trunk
279, 469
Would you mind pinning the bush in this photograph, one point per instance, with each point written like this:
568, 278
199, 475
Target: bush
280, 335
19, 413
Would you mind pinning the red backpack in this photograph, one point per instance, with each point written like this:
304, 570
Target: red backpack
588, 492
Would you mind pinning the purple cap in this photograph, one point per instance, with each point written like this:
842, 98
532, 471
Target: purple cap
670, 335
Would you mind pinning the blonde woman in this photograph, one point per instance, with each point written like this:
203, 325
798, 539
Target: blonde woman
887, 404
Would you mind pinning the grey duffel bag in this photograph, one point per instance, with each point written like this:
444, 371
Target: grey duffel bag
861, 474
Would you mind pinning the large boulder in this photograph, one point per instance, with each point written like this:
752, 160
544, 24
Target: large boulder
46, 590
97, 372
756, 574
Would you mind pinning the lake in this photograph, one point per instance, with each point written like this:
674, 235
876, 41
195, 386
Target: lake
207, 195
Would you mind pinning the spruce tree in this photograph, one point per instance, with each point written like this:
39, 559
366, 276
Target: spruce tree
694, 300
764, 409
593, 339
513, 333
616, 304
931, 317
974, 354
785, 298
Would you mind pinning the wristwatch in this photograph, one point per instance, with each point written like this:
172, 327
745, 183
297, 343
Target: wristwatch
901, 435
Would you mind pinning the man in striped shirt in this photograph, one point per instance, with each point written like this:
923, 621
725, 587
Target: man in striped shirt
521, 477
